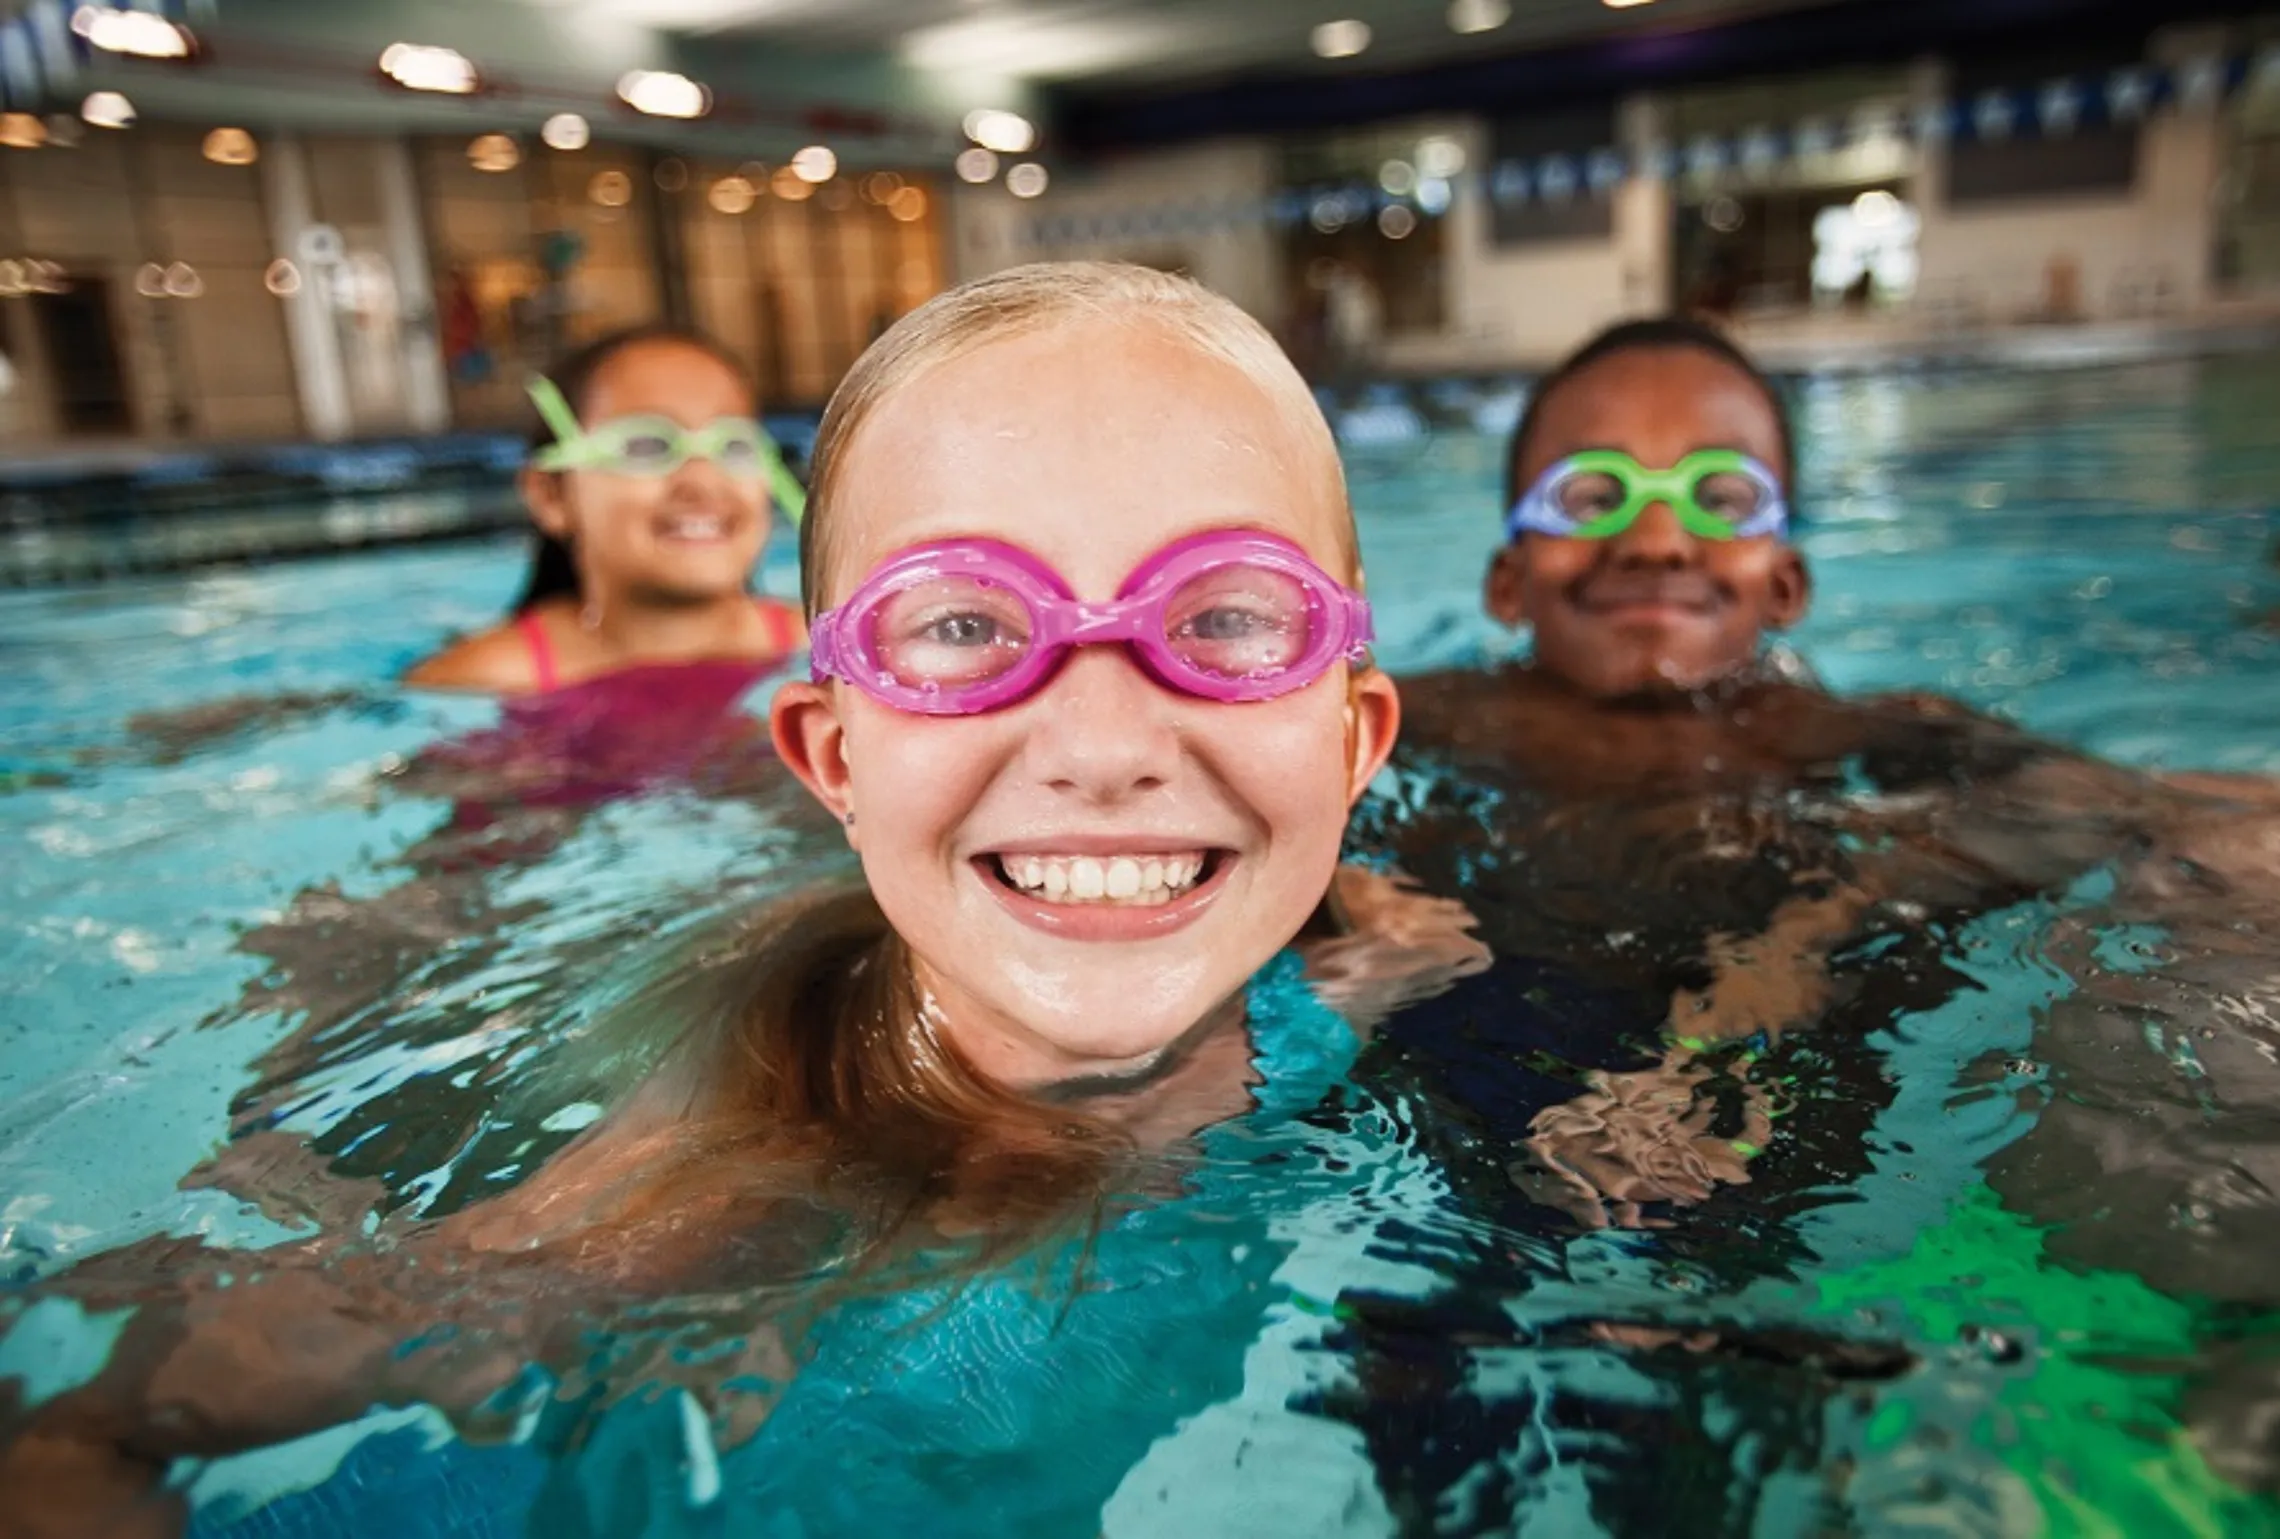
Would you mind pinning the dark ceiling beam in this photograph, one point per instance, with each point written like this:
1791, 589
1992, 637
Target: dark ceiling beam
1092, 122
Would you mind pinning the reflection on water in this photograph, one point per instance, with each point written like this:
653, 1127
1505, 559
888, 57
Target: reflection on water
1879, 1133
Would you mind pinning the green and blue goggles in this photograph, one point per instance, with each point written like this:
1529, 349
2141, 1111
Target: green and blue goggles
651, 446
1716, 494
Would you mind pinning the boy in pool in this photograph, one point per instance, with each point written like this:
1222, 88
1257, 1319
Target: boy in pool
1647, 549
1674, 844
1084, 825
1671, 814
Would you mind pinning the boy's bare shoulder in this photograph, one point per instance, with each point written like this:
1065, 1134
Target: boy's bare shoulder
1461, 707
496, 661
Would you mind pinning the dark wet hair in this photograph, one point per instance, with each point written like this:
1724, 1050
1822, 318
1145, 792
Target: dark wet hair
1660, 333
553, 571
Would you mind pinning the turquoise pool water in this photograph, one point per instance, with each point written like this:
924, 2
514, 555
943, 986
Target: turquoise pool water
285, 921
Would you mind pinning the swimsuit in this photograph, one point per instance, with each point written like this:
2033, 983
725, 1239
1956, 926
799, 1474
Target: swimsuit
783, 640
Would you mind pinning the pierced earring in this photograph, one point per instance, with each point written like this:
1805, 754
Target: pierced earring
848, 819
590, 616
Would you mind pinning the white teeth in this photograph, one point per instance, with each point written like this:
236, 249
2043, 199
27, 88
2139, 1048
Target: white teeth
1139, 881
1123, 879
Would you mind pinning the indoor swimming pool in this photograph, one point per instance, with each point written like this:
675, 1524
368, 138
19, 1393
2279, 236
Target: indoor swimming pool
289, 950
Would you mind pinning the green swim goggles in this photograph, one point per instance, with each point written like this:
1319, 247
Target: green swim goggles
1717, 494
651, 446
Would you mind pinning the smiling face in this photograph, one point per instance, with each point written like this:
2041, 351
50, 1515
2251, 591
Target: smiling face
1653, 607
1084, 876
687, 537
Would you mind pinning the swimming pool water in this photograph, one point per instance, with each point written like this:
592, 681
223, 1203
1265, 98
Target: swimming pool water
284, 920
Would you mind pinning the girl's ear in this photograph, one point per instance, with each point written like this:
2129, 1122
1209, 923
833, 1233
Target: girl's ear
1504, 591
1373, 722
805, 728
542, 494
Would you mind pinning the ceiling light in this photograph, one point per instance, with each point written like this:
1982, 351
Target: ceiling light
108, 109
976, 165
1469, 16
610, 189
1027, 180
416, 67
183, 282
790, 185
231, 147
143, 34
1008, 133
815, 164
22, 131
566, 131
1396, 222
282, 279
908, 204
880, 187
494, 152
1624, 5
663, 94
150, 281
1341, 39
1439, 155
732, 195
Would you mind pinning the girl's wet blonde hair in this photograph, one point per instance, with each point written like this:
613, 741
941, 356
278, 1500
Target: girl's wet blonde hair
1022, 301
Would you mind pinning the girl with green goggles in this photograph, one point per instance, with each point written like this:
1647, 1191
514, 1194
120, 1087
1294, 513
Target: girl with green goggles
1716, 494
650, 446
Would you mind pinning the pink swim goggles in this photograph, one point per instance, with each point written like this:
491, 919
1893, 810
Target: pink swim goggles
965, 626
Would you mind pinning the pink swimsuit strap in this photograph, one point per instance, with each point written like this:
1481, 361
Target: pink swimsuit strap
783, 626
783, 639
548, 677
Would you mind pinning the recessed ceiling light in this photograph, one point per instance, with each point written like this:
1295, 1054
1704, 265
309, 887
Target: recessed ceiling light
815, 164
1008, 133
1027, 180
142, 34
417, 67
732, 195
663, 94
1439, 155
1624, 5
108, 109
231, 147
566, 131
1469, 16
1341, 39
494, 152
977, 165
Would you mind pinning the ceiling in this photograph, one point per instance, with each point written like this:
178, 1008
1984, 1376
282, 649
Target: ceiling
889, 80
1117, 43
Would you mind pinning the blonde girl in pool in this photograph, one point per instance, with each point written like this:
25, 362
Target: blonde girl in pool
1092, 709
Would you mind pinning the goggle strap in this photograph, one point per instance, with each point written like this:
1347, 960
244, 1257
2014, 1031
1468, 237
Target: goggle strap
555, 412
785, 487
